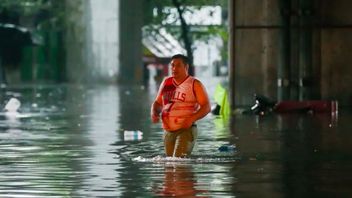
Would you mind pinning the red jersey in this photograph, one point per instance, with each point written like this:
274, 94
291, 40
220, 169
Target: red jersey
179, 102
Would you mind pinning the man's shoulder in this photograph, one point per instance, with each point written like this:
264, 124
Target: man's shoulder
168, 80
198, 86
196, 80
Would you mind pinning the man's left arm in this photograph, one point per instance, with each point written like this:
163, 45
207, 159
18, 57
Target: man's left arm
203, 101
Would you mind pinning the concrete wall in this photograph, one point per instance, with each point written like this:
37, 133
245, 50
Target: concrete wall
336, 48
103, 41
130, 53
319, 46
76, 40
257, 49
92, 41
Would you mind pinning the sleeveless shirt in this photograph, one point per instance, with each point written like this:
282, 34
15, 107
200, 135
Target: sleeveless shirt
179, 102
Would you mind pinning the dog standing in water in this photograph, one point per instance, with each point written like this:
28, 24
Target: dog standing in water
181, 101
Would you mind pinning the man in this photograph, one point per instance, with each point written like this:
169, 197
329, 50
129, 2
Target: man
181, 101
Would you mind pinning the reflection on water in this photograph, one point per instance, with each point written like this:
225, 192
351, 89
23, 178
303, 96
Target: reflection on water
69, 141
179, 180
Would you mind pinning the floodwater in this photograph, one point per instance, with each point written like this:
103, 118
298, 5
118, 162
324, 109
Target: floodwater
71, 141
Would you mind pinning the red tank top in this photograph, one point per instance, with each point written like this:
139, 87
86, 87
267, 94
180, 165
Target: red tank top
179, 102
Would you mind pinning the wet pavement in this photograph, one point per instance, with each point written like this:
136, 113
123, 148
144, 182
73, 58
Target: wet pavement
71, 141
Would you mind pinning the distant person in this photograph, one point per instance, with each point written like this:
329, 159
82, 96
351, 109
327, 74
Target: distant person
181, 101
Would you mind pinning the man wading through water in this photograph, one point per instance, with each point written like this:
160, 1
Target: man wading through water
181, 101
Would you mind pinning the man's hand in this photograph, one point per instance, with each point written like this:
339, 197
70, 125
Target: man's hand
155, 118
155, 112
187, 123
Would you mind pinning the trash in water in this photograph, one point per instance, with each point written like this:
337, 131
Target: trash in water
11, 108
227, 148
12, 105
132, 135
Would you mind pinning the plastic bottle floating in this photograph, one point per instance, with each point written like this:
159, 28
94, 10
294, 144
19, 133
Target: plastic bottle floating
227, 148
132, 135
12, 105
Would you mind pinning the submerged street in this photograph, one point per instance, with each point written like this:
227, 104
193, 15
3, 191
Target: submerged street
75, 119
72, 141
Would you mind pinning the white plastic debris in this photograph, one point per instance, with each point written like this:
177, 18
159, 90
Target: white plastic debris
12, 105
132, 135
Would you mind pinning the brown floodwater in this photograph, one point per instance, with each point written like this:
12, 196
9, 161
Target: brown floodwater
75, 141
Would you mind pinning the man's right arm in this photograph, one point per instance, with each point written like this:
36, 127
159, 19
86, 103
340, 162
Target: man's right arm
155, 111
157, 106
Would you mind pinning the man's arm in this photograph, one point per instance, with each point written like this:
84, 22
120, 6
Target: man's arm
203, 101
156, 107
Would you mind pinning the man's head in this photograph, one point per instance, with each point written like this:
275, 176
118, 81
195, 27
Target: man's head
179, 66
182, 57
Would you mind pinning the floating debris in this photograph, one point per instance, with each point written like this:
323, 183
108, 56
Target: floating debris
132, 135
12, 105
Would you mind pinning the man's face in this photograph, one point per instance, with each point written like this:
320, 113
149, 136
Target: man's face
178, 68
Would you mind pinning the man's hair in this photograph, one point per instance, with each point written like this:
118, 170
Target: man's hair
182, 57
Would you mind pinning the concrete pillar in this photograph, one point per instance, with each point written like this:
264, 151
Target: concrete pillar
306, 49
304, 44
284, 66
92, 41
256, 50
295, 51
336, 47
76, 40
130, 29
232, 50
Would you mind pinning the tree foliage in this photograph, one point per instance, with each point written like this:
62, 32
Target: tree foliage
34, 14
157, 11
